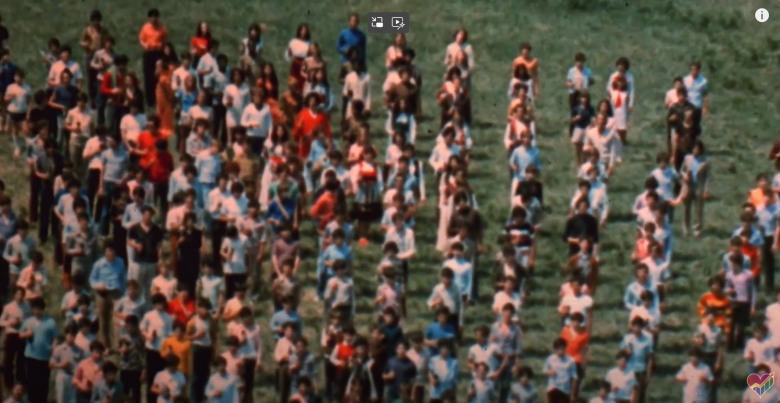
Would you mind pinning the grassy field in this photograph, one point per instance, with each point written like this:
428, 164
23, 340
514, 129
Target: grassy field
739, 57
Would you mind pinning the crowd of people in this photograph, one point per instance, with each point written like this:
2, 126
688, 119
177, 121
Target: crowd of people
173, 201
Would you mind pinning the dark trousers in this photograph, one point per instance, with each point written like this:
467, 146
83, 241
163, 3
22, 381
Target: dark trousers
104, 207
740, 320
201, 366
35, 196
232, 281
283, 383
131, 382
558, 396
38, 382
93, 184
45, 212
154, 364
161, 196
218, 128
768, 262
249, 379
5, 278
150, 79
83, 397
218, 228
13, 360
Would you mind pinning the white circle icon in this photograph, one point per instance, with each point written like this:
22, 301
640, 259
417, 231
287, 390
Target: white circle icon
762, 15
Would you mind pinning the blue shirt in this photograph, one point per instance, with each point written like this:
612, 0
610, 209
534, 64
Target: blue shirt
111, 274
575, 76
565, 371
436, 331
115, 164
523, 157
209, 166
277, 211
280, 318
447, 372
7, 226
352, 38
44, 332
640, 347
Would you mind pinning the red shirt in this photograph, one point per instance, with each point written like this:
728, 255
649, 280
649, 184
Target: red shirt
303, 130
108, 84
146, 141
324, 209
344, 352
181, 312
160, 171
201, 45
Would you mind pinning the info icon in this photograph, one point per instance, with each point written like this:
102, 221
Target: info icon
388, 23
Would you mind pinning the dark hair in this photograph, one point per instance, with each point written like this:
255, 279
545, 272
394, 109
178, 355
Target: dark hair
153, 13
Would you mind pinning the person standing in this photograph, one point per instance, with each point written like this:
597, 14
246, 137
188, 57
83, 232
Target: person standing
92, 40
40, 331
112, 86
698, 90
153, 36
146, 239
352, 38
108, 279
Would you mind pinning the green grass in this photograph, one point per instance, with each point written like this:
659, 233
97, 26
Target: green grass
739, 57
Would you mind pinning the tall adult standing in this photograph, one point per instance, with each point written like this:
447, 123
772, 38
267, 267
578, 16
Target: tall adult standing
352, 38
153, 36
109, 279
698, 89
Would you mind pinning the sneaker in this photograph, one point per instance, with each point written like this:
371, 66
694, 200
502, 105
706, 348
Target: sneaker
363, 242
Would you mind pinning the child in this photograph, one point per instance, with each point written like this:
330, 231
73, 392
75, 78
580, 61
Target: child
339, 292
64, 359
697, 378
622, 380
447, 295
34, 278
177, 344
169, 383
522, 390
210, 287
13, 315
233, 253
131, 358
17, 97
561, 374
164, 283
223, 386
481, 389
89, 372
641, 361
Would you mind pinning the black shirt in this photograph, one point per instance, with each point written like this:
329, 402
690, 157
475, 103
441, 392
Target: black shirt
405, 371
150, 242
581, 226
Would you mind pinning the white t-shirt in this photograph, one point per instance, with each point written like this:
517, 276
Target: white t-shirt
622, 380
20, 95
236, 251
695, 389
762, 350
131, 126
165, 286
239, 96
576, 304
81, 118
56, 69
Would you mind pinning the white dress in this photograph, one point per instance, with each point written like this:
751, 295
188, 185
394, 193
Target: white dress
620, 102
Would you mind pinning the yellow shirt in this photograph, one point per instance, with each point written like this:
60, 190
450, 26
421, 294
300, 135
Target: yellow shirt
182, 349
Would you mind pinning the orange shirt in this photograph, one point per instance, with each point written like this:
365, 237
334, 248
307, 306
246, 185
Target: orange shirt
720, 306
182, 349
151, 37
323, 210
642, 248
201, 45
576, 343
753, 253
303, 130
757, 198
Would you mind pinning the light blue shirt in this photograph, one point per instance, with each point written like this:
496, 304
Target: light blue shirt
44, 332
576, 76
634, 291
21, 248
640, 347
226, 385
666, 179
522, 158
280, 318
195, 144
132, 215
111, 274
447, 372
209, 166
565, 372
177, 182
115, 164
697, 89
767, 218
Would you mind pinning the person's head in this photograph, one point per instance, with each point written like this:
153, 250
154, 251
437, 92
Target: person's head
303, 32
446, 276
354, 21
481, 334
19, 293
508, 312
153, 15
716, 284
110, 371
559, 347
579, 59
19, 76
442, 315
445, 349
760, 331
159, 302
289, 330
694, 355
38, 307
147, 213
178, 330
695, 68
171, 362
18, 391
637, 325
96, 350
65, 52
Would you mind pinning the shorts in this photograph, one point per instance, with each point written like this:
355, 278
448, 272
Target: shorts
577, 135
17, 117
